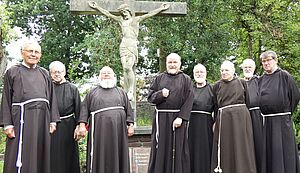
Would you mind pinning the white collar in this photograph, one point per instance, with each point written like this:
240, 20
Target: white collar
23, 63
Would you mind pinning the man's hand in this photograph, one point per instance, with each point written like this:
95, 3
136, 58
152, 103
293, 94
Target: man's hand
165, 92
52, 128
10, 132
80, 132
130, 130
177, 123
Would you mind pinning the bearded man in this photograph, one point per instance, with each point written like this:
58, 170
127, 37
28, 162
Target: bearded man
172, 94
108, 112
248, 67
201, 123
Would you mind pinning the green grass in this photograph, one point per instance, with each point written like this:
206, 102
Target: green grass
1, 166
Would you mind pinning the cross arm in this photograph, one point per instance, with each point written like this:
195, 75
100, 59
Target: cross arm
139, 7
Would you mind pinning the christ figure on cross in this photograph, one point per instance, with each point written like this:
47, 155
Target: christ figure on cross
128, 48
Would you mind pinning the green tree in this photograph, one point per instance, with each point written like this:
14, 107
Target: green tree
5, 36
266, 25
58, 29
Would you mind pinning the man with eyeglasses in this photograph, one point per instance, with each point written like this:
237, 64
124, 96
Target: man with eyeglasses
64, 148
28, 113
279, 96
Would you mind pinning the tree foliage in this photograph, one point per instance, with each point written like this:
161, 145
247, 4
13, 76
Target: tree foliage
6, 34
59, 30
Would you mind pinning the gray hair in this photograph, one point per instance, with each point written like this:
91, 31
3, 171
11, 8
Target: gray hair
248, 62
199, 66
267, 54
57, 64
29, 42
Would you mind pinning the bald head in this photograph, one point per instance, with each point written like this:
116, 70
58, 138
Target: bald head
173, 62
227, 70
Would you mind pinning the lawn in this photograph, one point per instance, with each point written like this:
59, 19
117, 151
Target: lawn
1, 166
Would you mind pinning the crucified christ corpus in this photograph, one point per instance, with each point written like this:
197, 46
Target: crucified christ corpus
128, 48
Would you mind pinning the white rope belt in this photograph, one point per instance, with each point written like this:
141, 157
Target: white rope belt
93, 128
254, 108
19, 157
156, 120
201, 112
274, 115
218, 168
67, 116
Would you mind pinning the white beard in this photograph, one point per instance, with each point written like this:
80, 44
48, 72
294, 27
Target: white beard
248, 75
172, 71
199, 80
108, 83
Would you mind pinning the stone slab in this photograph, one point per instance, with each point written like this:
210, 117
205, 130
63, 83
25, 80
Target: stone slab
140, 7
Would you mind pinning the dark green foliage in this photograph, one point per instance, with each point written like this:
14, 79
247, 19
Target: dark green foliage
60, 31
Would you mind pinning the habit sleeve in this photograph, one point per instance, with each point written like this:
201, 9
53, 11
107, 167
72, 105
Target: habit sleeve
185, 110
5, 113
293, 91
128, 108
155, 96
84, 112
77, 102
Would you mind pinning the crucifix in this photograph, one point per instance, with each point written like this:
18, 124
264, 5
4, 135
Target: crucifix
129, 13
139, 7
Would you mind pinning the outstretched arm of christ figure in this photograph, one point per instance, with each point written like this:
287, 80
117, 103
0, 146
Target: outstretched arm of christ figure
163, 7
95, 6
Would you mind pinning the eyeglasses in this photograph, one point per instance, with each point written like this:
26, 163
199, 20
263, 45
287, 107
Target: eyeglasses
56, 72
32, 51
267, 60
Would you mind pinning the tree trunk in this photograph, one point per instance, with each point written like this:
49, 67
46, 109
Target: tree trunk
162, 60
250, 45
3, 61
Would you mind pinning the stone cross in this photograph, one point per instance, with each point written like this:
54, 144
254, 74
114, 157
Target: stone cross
139, 10
139, 7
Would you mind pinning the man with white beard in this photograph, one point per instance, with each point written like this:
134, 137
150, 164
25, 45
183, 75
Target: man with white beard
108, 112
201, 123
248, 67
172, 94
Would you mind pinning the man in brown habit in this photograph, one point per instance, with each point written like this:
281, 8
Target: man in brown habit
108, 111
28, 113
